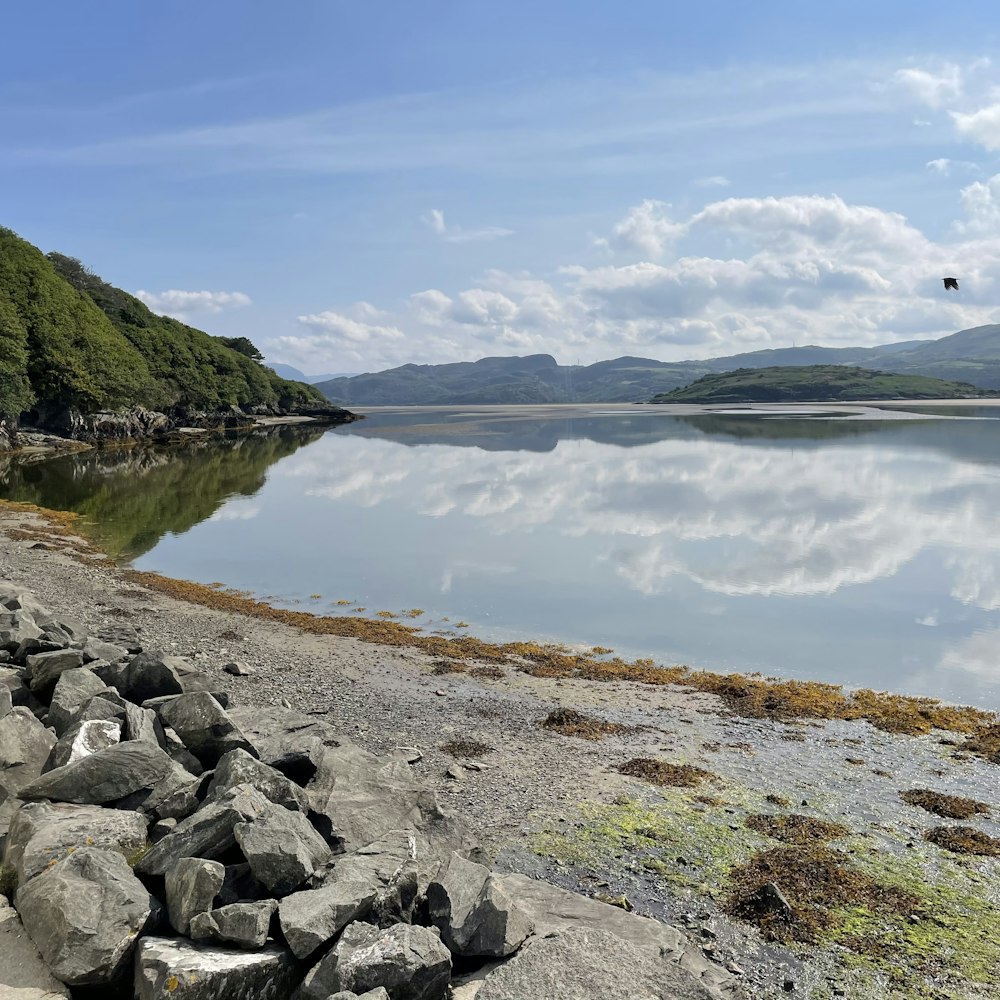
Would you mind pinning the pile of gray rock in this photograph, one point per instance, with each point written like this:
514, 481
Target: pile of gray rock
160, 841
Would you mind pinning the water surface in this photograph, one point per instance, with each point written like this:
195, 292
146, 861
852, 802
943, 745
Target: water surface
860, 551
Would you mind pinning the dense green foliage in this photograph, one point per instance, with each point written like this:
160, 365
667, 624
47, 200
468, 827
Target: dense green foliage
814, 383
70, 340
969, 356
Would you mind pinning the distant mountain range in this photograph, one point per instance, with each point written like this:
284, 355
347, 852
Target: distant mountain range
294, 375
971, 356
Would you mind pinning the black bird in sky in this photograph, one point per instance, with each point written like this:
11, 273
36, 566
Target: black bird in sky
950, 283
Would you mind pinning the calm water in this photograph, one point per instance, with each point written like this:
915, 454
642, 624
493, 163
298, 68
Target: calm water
865, 552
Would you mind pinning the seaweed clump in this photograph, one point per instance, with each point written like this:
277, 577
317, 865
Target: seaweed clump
488, 672
660, 772
448, 667
964, 840
796, 829
794, 893
466, 748
569, 722
949, 806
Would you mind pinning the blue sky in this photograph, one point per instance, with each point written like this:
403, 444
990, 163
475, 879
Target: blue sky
358, 186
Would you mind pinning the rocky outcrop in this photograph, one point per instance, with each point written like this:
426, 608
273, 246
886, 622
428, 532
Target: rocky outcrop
297, 865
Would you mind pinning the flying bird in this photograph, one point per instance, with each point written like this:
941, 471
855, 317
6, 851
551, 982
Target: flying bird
950, 283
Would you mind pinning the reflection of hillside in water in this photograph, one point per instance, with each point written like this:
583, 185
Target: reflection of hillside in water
968, 440
132, 497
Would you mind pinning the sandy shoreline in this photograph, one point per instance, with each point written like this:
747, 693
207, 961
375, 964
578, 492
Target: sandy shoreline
555, 805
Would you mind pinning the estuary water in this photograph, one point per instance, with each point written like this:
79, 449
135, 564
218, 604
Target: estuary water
859, 551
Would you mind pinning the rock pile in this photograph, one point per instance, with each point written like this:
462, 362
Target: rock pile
161, 842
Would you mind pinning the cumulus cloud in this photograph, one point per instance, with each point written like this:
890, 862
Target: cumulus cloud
736, 274
175, 302
935, 88
647, 229
981, 126
434, 220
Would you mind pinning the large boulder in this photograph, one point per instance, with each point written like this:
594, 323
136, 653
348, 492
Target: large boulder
81, 740
151, 675
43, 833
555, 910
476, 917
287, 740
410, 962
23, 974
6, 701
169, 968
244, 925
143, 724
239, 768
106, 652
72, 690
25, 745
84, 915
282, 848
111, 775
204, 727
357, 798
207, 833
16, 627
589, 962
191, 887
45, 668
311, 918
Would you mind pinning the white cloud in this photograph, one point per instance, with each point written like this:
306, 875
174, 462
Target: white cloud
982, 126
175, 302
930, 87
767, 272
648, 229
434, 220
716, 180
946, 167
981, 201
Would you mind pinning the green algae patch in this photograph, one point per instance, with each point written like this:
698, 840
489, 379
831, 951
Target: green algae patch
676, 840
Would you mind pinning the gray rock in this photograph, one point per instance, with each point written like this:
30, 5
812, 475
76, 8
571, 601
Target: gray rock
476, 917
43, 833
97, 649
161, 828
23, 974
191, 887
553, 909
180, 753
207, 833
282, 848
16, 628
111, 775
204, 727
25, 745
410, 962
144, 725
237, 669
239, 768
6, 701
104, 706
289, 741
151, 675
113, 674
84, 915
72, 628
357, 798
586, 962
73, 688
210, 973
45, 668
81, 740
311, 918
379, 994
241, 886
121, 634
242, 924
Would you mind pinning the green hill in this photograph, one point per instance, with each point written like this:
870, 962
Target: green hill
815, 383
72, 344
